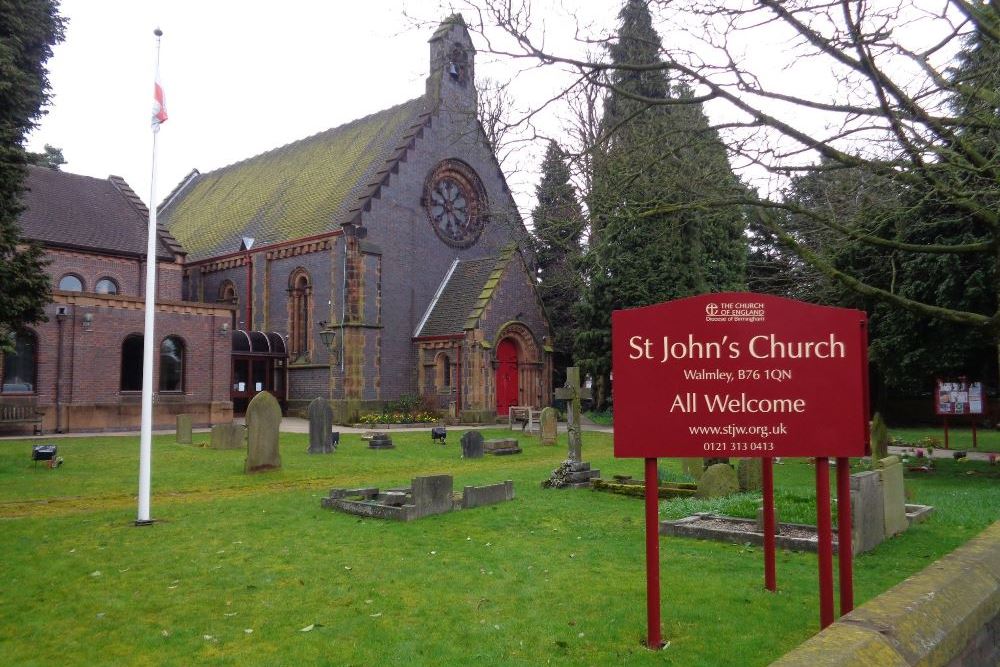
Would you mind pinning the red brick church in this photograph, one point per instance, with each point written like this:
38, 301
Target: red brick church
379, 259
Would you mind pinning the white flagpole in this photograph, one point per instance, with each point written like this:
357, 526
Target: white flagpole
149, 341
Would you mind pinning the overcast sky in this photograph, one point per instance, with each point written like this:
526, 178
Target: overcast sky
243, 77
240, 78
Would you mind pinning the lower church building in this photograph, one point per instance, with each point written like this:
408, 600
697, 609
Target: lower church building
82, 369
394, 239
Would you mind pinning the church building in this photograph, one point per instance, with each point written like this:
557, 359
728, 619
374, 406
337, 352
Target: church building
380, 259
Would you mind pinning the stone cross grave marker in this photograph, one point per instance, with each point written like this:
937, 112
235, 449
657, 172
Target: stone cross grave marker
263, 420
320, 427
572, 392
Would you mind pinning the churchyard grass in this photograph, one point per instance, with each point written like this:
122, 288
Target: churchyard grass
249, 570
987, 439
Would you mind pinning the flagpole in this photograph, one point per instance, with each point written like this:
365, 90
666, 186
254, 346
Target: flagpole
148, 337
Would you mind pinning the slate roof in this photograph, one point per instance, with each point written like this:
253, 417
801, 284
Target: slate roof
305, 188
97, 214
463, 297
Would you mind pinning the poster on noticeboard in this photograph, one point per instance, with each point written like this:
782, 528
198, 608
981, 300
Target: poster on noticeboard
958, 397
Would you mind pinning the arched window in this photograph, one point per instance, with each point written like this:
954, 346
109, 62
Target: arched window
443, 367
227, 295
172, 364
71, 283
106, 286
19, 366
131, 376
300, 293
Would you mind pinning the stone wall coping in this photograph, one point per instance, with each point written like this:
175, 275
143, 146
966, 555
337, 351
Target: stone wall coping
931, 618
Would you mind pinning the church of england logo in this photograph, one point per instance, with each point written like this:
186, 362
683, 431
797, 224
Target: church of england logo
743, 311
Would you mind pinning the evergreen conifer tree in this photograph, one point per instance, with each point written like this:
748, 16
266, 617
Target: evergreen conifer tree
28, 30
646, 246
558, 227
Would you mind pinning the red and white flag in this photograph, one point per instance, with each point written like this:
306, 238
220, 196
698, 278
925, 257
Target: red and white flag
159, 104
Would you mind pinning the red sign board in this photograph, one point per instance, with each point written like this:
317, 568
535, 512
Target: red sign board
958, 397
739, 374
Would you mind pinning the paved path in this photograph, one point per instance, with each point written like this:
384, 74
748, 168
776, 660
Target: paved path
299, 425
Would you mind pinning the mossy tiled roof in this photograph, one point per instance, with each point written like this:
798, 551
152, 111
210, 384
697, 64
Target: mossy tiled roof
302, 189
460, 297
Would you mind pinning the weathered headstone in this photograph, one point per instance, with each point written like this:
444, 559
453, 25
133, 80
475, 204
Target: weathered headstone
472, 445
381, 441
693, 468
320, 427
477, 496
502, 446
879, 438
867, 511
717, 481
432, 494
549, 430
263, 419
184, 429
894, 496
749, 473
227, 436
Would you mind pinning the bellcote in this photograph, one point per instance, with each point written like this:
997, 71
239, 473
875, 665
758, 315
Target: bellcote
452, 81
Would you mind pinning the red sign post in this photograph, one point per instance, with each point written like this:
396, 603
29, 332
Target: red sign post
744, 375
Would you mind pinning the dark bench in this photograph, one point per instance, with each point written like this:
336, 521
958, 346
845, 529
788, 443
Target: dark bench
21, 414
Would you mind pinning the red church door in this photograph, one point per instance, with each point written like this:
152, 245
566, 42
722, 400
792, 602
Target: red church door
506, 376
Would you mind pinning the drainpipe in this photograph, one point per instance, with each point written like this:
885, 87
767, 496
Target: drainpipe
458, 381
60, 319
249, 323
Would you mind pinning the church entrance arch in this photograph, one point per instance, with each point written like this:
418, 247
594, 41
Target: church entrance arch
506, 376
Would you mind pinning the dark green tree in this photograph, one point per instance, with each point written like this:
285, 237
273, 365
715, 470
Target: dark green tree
884, 111
51, 158
28, 31
658, 150
558, 227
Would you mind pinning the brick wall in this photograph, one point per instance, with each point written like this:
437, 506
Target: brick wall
128, 272
87, 367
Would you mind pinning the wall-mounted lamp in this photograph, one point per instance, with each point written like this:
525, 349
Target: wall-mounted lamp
224, 329
88, 321
328, 335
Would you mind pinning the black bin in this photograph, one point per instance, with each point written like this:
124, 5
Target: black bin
43, 452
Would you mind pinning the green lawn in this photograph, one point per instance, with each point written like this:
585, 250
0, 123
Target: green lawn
249, 570
987, 439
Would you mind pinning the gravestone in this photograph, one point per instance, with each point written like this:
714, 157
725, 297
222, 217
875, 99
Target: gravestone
717, 481
184, 429
380, 441
693, 468
263, 419
477, 496
572, 392
502, 447
879, 438
749, 473
549, 430
574, 468
320, 427
867, 511
472, 445
432, 494
893, 496
227, 436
